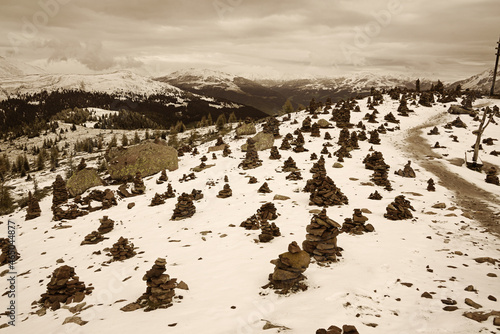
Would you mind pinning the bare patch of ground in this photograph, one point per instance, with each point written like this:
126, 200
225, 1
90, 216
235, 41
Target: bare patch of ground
467, 195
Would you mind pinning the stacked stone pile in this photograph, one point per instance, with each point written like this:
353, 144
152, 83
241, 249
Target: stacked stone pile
184, 207
356, 225
64, 288
225, 192
324, 192
491, 176
321, 238
122, 250
59, 192
72, 212
157, 200
196, 195
252, 157
375, 196
289, 165
252, 223
294, 176
139, 187
33, 208
106, 226
287, 275
285, 144
407, 171
374, 137
7, 250
274, 154
430, 185
399, 209
267, 212
268, 231
93, 238
163, 177
264, 189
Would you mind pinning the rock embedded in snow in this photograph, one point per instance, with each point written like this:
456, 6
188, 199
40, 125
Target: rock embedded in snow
491, 176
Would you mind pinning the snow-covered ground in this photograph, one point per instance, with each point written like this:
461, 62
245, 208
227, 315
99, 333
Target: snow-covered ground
225, 268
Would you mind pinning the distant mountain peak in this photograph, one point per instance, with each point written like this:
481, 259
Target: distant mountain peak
13, 68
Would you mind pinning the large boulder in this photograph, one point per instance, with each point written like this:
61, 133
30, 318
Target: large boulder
146, 158
246, 129
263, 141
323, 123
82, 180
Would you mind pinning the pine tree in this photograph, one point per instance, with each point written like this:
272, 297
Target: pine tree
6, 201
232, 118
113, 142
221, 121
137, 140
209, 120
124, 140
287, 107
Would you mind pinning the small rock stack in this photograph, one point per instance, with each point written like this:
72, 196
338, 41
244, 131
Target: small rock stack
170, 192
252, 223
430, 185
7, 250
108, 199
328, 136
319, 166
196, 195
380, 176
434, 131
299, 143
353, 141
458, 123
106, 225
306, 124
356, 225
225, 192
375, 196
491, 176
374, 137
264, 189
399, 209
269, 231
321, 238
252, 157
403, 109
315, 130
33, 209
407, 171
226, 151
275, 154
287, 275
267, 212
252, 180
139, 187
82, 165
294, 176
346, 329
157, 200
285, 144
122, 250
343, 136
272, 126
289, 165
64, 288
59, 192
93, 238
163, 177
184, 207
314, 156
187, 177
371, 160
72, 212
160, 290
390, 118
324, 192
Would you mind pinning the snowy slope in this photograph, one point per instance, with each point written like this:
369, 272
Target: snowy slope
481, 82
225, 268
203, 78
116, 82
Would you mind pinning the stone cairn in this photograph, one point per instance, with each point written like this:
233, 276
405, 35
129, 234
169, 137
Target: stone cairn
289, 165
407, 171
106, 197
491, 176
346, 329
226, 151
353, 141
356, 225
33, 209
375, 196
160, 289
362, 136
7, 250
225, 192
268, 231
59, 192
196, 195
93, 238
157, 200
163, 177
314, 156
252, 223
323, 191
324, 150
272, 126
187, 177
169, 193
315, 130
122, 250
285, 144
106, 225
434, 131
399, 209
287, 275
139, 187
267, 212
374, 137
430, 185
184, 207
275, 154
343, 136
318, 166
321, 238
299, 143
294, 176
252, 157
64, 288
306, 125
72, 212
82, 165
328, 136
375, 161
391, 118
252, 180
264, 189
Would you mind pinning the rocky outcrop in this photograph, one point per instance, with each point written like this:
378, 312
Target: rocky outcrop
83, 180
147, 158
262, 141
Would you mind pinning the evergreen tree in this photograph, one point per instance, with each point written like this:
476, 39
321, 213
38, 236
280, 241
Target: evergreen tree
221, 121
209, 120
417, 85
287, 107
232, 118
137, 140
113, 142
124, 140
6, 202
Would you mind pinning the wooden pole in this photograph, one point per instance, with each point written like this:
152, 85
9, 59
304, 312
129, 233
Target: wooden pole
492, 92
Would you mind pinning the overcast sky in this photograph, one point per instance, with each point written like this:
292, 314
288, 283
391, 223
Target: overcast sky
449, 39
